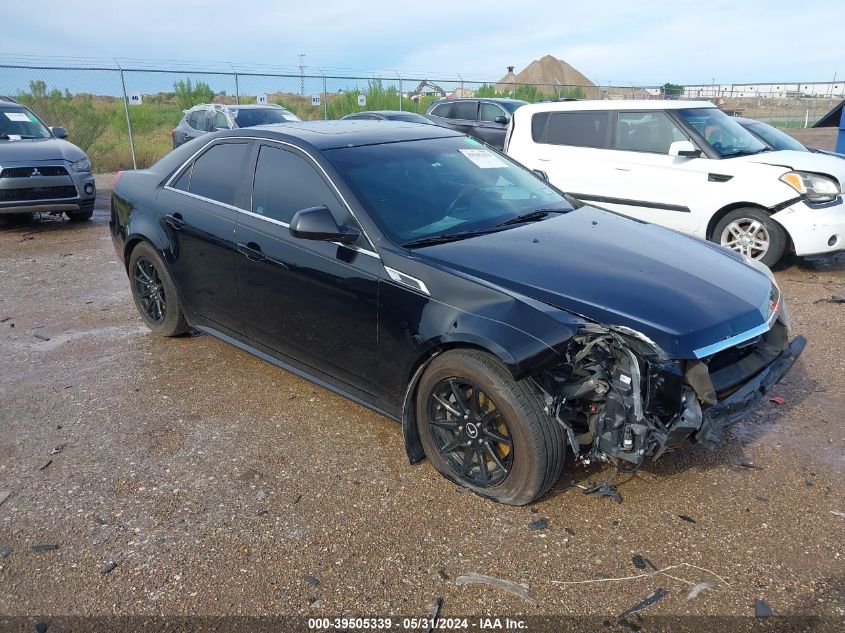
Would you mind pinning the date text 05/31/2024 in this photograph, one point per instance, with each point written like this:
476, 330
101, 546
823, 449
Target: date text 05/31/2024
414, 624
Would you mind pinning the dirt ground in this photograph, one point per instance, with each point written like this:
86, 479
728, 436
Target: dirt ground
220, 485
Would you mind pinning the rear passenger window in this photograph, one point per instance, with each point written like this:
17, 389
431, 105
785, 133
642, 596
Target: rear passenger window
538, 127
285, 183
580, 129
184, 180
217, 173
443, 110
646, 132
464, 110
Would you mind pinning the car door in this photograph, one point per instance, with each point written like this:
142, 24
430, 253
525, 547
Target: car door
464, 116
570, 148
488, 128
199, 213
647, 182
312, 301
198, 124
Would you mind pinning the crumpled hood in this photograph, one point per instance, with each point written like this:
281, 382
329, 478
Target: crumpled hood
681, 292
801, 161
38, 150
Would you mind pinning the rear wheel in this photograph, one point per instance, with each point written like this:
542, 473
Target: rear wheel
484, 430
154, 292
752, 233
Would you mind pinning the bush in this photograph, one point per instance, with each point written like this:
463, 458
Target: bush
77, 113
188, 95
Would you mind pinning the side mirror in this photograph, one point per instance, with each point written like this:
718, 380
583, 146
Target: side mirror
59, 132
542, 174
685, 149
318, 223
502, 119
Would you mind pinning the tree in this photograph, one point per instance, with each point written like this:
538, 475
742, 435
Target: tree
672, 91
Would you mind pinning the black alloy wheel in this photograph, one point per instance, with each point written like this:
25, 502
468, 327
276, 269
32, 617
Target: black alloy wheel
150, 290
470, 432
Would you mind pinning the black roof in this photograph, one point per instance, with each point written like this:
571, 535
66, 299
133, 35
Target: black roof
485, 99
832, 118
323, 135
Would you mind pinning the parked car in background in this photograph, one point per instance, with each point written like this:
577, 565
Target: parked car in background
442, 284
778, 139
688, 166
388, 115
484, 119
39, 169
209, 117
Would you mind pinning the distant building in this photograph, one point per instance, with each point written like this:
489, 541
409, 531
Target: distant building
773, 90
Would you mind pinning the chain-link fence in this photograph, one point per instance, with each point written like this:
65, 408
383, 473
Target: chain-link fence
122, 117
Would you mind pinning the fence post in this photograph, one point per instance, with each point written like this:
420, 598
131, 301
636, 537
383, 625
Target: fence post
400, 90
237, 88
128, 121
325, 101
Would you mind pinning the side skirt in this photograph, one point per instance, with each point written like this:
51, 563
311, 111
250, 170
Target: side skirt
308, 374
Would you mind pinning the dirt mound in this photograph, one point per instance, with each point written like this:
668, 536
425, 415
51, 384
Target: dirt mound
547, 73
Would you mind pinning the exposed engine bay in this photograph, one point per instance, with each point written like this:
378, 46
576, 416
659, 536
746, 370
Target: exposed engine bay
619, 398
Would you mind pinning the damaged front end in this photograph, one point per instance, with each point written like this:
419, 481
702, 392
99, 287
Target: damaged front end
619, 397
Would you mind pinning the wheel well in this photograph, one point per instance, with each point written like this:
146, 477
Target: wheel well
130, 246
717, 217
445, 347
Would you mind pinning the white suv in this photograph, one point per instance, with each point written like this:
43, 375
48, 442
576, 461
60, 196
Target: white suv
690, 167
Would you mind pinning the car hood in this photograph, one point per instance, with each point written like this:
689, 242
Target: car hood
801, 161
38, 149
682, 293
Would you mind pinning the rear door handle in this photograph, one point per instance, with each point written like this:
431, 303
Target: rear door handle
545, 160
175, 220
252, 251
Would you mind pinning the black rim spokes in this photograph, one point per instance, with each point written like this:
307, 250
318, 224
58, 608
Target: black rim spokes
470, 432
150, 290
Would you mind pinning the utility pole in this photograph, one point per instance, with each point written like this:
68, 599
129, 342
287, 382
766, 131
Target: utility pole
302, 73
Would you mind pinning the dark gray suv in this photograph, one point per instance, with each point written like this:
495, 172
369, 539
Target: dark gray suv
39, 170
485, 119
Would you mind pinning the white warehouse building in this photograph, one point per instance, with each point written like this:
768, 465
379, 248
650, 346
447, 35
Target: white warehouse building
768, 90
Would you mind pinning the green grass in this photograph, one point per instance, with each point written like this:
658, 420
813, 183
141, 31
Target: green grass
98, 124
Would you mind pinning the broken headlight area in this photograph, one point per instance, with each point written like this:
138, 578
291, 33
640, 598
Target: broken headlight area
618, 396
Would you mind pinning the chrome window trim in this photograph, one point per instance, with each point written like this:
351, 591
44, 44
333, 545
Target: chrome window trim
358, 249
177, 172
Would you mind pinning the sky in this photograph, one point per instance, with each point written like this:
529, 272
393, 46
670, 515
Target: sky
645, 42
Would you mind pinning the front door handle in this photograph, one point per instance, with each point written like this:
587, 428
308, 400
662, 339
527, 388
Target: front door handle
175, 220
544, 160
252, 251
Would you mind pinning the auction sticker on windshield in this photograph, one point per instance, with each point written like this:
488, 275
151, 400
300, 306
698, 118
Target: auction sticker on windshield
17, 116
483, 158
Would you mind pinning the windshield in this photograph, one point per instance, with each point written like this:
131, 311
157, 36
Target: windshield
511, 106
419, 189
774, 137
18, 122
247, 117
410, 118
727, 137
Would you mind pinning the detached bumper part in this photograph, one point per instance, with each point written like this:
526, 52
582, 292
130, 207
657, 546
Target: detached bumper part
736, 406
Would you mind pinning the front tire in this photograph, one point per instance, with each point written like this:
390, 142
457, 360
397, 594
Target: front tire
752, 233
483, 430
79, 216
154, 292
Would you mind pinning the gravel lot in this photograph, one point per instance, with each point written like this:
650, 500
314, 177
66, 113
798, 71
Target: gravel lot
219, 484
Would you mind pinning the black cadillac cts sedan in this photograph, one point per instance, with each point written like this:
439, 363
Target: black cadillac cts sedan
432, 279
